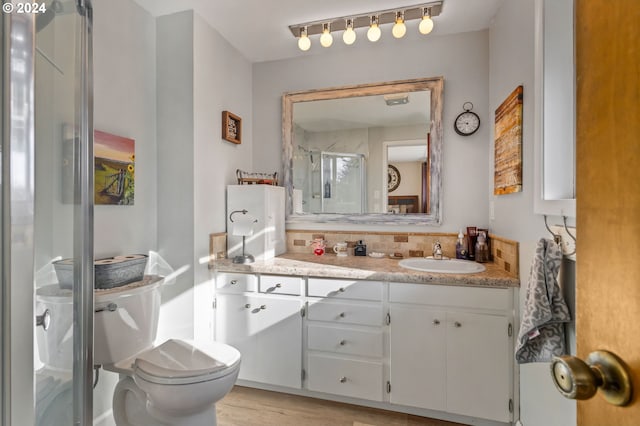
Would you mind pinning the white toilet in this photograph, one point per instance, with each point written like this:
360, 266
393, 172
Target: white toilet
175, 383
53, 379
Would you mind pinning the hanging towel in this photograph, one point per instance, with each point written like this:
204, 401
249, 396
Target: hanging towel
541, 333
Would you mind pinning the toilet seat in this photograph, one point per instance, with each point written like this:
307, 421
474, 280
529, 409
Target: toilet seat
178, 362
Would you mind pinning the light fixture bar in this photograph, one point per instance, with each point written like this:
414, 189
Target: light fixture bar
362, 20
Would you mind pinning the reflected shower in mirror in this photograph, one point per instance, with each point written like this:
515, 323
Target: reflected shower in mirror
359, 153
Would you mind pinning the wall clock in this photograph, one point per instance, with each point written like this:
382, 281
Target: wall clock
467, 122
393, 179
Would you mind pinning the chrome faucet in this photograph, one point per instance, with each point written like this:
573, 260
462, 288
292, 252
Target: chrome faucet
437, 250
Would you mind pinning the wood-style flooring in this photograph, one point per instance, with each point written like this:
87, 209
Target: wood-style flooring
253, 407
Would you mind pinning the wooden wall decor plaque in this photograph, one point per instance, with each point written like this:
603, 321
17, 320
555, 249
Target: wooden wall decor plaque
231, 127
507, 177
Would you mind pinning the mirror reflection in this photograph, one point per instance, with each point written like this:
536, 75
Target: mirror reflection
364, 150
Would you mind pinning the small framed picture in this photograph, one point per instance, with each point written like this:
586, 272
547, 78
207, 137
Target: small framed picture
231, 127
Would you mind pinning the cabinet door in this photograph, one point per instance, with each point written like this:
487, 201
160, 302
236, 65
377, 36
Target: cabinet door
478, 365
417, 352
268, 333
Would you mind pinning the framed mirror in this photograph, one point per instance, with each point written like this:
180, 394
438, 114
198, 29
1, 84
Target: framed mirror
364, 154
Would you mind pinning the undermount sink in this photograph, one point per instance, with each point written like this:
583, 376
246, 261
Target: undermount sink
444, 266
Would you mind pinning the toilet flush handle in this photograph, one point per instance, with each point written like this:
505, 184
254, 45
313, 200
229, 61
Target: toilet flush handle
44, 320
111, 307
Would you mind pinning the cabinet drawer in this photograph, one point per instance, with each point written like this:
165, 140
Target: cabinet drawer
276, 284
345, 340
347, 313
345, 289
454, 296
339, 376
236, 283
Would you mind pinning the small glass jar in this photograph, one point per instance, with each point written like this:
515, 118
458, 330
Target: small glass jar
481, 249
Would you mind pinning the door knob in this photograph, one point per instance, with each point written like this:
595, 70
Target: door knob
603, 370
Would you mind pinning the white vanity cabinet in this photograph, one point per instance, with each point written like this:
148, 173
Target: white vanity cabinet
265, 328
345, 338
451, 349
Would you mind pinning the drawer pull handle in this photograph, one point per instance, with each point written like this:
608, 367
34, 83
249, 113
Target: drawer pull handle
457, 324
343, 379
263, 307
341, 289
343, 342
233, 282
278, 285
436, 322
248, 306
341, 314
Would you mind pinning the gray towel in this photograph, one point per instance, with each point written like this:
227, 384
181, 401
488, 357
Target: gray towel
545, 312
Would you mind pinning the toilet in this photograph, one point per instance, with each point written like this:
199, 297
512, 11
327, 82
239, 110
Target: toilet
54, 377
175, 383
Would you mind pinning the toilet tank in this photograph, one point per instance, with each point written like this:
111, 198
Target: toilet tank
125, 320
55, 345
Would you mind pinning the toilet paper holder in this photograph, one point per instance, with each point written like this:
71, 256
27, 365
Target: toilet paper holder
242, 258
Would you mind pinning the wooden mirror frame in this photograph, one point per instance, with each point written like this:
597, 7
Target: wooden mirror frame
435, 85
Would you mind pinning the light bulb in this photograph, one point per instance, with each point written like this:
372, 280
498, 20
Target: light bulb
374, 33
349, 35
326, 39
304, 43
399, 28
426, 24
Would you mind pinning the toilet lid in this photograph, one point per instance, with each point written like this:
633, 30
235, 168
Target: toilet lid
181, 362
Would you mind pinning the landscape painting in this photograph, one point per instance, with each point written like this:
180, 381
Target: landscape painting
114, 179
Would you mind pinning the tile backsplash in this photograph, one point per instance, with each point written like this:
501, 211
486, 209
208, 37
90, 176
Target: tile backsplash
408, 244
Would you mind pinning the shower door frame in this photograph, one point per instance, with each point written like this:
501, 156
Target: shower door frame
363, 191
17, 402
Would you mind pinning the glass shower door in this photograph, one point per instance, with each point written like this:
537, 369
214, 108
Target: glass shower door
48, 322
343, 183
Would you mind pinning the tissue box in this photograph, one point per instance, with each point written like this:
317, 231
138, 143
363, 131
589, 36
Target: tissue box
109, 272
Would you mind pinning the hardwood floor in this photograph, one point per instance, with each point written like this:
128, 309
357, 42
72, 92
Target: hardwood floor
253, 407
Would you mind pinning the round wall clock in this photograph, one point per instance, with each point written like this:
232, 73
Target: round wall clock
393, 179
467, 122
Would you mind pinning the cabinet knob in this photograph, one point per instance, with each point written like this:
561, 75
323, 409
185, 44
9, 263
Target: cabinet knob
343, 379
341, 289
603, 370
233, 282
263, 307
457, 324
248, 305
436, 322
343, 342
278, 285
341, 315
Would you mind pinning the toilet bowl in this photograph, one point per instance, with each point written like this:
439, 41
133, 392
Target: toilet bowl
53, 398
175, 383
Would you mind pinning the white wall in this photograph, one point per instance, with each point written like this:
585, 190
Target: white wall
512, 64
125, 105
463, 60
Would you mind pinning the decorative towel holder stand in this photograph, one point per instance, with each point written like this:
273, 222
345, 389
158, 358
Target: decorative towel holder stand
242, 258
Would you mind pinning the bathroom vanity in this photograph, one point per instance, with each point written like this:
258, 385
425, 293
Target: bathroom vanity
374, 334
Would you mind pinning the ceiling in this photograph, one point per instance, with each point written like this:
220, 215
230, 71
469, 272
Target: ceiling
259, 28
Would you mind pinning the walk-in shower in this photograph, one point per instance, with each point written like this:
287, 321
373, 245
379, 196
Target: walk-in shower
47, 152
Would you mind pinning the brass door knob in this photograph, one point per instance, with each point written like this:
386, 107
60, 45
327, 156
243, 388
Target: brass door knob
603, 370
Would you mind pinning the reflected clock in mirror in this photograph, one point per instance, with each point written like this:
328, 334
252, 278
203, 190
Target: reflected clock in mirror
335, 150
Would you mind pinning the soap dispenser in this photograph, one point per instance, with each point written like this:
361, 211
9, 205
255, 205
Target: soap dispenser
482, 249
461, 249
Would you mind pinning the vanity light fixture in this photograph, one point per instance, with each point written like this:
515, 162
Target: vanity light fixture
349, 35
326, 39
374, 32
426, 24
374, 21
399, 28
304, 43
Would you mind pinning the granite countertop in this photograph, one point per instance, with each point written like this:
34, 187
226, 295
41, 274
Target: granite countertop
365, 268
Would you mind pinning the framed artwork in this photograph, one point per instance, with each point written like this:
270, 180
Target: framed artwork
114, 169
231, 127
393, 178
507, 175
